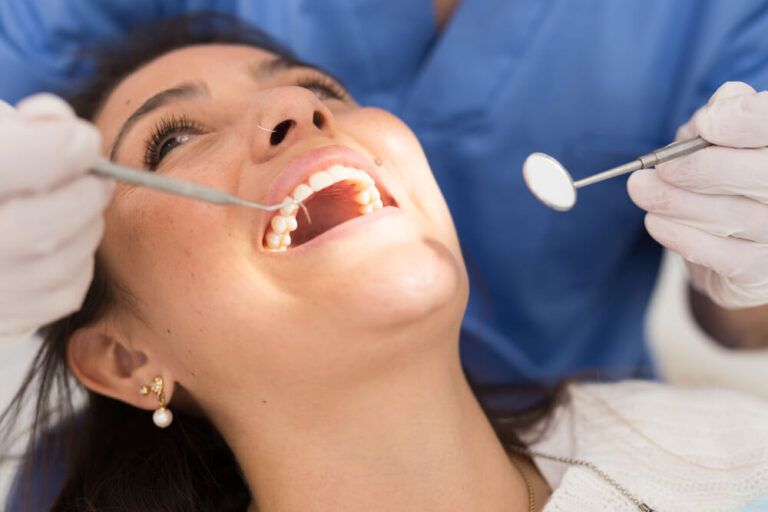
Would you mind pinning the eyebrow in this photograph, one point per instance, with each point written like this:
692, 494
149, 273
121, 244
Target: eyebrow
267, 68
192, 90
185, 91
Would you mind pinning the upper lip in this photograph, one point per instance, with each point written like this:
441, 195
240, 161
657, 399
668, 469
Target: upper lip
302, 166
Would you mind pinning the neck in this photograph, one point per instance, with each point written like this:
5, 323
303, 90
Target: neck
415, 440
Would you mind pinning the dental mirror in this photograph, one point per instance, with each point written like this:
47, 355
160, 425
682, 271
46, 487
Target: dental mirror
553, 185
549, 181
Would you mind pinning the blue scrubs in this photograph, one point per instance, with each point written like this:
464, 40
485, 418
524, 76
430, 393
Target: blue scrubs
593, 83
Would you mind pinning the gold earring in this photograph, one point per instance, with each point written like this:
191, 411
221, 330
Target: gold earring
162, 416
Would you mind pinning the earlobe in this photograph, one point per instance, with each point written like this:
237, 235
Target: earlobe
105, 364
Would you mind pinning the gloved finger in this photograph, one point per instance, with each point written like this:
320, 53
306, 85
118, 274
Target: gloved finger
35, 156
727, 90
6, 110
44, 273
39, 225
60, 299
48, 307
730, 90
731, 258
722, 171
688, 130
69, 298
44, 107
722, 216
724, 292
739, 121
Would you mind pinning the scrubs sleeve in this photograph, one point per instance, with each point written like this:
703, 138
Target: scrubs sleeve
745, 56
733, 46
40, 39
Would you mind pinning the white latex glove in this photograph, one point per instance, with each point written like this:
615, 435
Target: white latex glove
711, 207
51, 218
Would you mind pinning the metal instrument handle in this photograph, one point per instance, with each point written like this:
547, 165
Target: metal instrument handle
672, 151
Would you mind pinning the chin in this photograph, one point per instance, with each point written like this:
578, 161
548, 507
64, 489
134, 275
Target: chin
407, 284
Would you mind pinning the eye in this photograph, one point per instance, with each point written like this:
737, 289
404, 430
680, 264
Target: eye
170, 133
324, 87
169, 144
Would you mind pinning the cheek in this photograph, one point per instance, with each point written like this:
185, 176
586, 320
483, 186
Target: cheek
163, 245
401, 154
178, 258
386, 136
395, 143
208, 306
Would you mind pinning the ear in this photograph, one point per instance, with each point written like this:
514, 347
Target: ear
106, 365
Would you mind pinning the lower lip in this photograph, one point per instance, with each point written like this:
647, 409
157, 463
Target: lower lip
341, 230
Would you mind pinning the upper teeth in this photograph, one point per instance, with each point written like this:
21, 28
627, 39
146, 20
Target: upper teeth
278, 236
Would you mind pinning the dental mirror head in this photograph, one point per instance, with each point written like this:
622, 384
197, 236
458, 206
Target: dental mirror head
549, 181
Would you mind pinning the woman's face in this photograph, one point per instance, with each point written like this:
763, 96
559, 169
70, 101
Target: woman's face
219, 302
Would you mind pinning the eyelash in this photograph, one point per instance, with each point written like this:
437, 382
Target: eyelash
168, 129
326, 85
171, 128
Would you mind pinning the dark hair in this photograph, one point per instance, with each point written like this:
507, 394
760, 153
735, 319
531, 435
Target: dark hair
114, 458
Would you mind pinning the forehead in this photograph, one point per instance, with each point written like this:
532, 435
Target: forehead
191, 64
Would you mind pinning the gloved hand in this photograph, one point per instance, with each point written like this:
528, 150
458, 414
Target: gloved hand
711, 207
51, 218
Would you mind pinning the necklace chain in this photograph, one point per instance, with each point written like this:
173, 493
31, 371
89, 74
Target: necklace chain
641, 506
528, 486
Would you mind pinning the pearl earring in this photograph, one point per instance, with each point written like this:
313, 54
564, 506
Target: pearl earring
162, 416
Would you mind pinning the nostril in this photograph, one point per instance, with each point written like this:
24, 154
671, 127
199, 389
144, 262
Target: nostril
318, 119
280, 131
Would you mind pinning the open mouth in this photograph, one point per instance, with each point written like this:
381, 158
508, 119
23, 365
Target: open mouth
331, 197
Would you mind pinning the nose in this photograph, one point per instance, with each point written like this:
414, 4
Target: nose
284, 116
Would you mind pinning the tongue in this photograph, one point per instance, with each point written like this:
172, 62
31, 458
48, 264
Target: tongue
327, 208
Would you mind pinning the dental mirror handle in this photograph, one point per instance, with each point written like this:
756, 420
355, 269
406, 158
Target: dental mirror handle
656, 157
175, 186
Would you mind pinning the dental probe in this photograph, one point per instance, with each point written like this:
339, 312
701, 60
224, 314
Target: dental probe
553, 185
179, 187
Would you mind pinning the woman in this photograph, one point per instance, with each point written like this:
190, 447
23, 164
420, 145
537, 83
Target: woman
297, 365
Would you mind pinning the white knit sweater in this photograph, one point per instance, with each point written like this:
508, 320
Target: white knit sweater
676, 449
